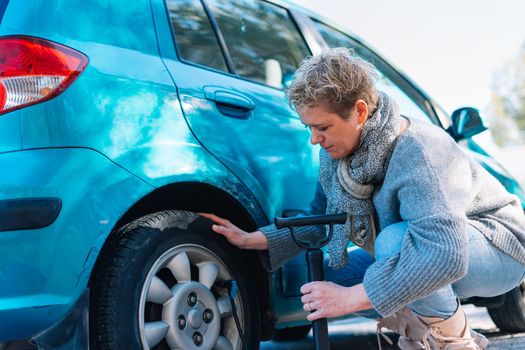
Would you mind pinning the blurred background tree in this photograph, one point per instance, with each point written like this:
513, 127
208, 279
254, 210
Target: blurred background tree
507, 109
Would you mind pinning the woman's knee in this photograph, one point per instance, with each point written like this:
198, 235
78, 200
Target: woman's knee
389, 240
491, 272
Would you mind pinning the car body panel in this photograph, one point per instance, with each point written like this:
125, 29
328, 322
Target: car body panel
117, 23
495, 169
95, 193
10, 132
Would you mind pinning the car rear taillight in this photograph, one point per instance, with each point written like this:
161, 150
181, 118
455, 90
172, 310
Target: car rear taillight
33, 70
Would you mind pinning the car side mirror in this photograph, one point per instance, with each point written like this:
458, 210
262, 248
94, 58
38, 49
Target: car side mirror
466, 122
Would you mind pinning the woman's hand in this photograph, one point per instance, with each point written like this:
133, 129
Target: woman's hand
236, 236
331, 300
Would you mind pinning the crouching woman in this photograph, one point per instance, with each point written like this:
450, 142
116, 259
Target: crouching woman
429, 223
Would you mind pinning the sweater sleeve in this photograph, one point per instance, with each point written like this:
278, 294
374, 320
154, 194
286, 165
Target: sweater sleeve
432, 184
281, 246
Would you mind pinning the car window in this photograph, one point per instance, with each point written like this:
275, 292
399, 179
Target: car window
407, 105
262, 39
194, 36
3, 6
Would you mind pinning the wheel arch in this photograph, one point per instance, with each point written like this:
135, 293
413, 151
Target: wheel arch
189, 196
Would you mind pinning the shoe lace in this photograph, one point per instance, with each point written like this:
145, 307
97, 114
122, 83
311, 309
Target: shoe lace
379, 332
434, 333
479, 339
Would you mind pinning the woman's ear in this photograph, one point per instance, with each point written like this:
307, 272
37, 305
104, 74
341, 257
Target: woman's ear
362, 111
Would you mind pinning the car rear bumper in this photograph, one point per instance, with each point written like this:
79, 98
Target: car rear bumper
57, 206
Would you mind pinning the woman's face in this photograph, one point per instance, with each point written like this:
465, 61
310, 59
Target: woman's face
339, 137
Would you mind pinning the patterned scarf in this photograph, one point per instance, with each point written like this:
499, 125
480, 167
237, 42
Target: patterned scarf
349, 183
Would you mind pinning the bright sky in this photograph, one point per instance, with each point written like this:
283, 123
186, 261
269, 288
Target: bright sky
451, 48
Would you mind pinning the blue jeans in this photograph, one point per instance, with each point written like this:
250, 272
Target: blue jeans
490, 272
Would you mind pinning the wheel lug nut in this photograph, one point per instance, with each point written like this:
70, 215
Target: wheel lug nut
181, 321
207, 316
197, 339
192, 299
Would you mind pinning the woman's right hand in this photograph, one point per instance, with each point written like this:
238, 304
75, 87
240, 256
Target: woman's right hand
236, 236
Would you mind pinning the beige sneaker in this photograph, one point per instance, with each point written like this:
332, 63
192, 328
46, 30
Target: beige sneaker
453, 333
432, 333
407, 325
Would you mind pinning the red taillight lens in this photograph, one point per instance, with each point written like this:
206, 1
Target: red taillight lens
3, 96
33, 70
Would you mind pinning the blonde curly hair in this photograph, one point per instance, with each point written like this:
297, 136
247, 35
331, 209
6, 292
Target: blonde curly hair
334, 79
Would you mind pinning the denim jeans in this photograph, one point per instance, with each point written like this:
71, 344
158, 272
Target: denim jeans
490, 272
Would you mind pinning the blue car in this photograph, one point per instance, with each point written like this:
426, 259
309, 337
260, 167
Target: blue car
119, 122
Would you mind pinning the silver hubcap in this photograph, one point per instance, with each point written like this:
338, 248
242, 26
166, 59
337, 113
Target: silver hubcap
187, 313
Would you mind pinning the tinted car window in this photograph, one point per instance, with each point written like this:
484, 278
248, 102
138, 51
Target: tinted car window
406, 104
3, 6
263, 41
194, 36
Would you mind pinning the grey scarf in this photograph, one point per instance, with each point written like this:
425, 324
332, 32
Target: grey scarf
349, 183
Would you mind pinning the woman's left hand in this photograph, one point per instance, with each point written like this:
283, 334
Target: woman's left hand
331, 300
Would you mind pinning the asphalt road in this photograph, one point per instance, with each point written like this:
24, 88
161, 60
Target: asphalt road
359, 334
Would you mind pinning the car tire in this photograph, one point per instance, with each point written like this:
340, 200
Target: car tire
291, 333
510, 316
161, 283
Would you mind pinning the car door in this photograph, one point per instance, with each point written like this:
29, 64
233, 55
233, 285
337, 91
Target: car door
235, 58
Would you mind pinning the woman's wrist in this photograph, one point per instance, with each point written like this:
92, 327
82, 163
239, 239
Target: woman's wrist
256, 240
359, 300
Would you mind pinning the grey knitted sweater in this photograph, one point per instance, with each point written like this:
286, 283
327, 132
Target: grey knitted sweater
435, 187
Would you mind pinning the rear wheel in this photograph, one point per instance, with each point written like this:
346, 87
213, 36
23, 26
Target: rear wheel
510, 316
161, 284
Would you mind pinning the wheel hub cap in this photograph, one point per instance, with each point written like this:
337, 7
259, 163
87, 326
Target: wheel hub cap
190, 301
192, 314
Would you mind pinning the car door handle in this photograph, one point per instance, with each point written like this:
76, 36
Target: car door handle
229, 103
